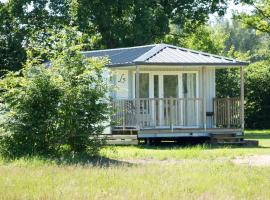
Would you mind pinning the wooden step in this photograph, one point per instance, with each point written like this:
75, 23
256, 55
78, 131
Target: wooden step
230, 143
122, 142
121, 139
114, 137
236, 137
227, 138
218, 135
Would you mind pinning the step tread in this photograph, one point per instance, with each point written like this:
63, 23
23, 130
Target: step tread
241, 142
234, 137
121, 136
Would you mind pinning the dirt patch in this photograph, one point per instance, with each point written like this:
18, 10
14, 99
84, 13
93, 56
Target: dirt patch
153, 161
258, 160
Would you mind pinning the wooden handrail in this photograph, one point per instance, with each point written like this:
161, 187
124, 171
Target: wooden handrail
226, 112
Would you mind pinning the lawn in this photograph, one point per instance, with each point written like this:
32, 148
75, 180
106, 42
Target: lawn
140, 172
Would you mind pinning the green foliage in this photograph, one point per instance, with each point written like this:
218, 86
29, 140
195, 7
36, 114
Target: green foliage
227, 83
245, 44
12, 54
240, 38
259, 19
118, 23
55, 109
257, 94
198, 37
30, 105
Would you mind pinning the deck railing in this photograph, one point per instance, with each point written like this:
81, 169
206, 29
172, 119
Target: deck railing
156, 112
227, 112
174, 112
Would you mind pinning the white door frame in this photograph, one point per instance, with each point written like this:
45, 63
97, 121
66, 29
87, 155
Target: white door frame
161, 87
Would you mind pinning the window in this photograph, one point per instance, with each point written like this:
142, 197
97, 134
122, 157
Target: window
170, 84
143, 85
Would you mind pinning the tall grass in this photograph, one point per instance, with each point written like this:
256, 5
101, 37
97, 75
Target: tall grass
201, 172
188, 180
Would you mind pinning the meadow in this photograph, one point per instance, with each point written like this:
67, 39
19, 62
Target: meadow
142, 172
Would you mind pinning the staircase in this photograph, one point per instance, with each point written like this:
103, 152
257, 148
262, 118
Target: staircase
226, 139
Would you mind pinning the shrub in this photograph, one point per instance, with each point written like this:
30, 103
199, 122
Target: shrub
30, 115
64, 105
257, 95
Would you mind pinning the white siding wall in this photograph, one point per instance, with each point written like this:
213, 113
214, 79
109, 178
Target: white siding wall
121, 81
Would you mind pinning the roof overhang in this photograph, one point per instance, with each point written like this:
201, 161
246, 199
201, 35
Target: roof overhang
193, 64
174, 64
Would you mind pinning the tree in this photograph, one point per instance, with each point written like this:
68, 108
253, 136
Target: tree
246, 44
65, 105
257, 94
118, 22
259, 19
12, 54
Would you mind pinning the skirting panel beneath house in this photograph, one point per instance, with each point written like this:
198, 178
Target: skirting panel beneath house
166, 133
171, 135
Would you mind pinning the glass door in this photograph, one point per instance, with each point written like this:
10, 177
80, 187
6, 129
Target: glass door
170, 93
189, 94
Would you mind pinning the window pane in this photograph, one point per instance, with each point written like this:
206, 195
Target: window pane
144, 85
189, 92
189, 85
170, 84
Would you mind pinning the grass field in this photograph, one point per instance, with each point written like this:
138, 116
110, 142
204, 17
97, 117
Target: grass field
140, 172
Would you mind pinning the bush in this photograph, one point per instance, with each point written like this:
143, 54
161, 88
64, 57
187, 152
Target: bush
257, 107
47, 108
31, 114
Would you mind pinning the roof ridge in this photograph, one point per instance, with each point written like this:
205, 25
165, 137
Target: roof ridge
150, 53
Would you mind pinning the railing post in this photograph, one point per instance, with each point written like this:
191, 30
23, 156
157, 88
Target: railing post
215, 112
204, 99
171, 114
137, 82
124, 115
228, 113
242, 98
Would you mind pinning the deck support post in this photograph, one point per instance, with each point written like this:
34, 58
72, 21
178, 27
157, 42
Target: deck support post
242, 98
203, 98
137, 91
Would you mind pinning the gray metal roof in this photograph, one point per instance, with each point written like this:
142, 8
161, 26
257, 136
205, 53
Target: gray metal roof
161, 54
